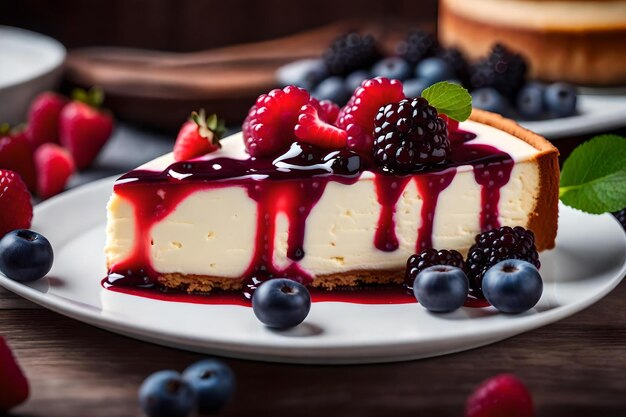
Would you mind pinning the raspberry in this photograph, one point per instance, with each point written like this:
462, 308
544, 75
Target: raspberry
351, 52
311, 129
268, 128
17, 210
502, 70
417, 46
430, 257
410, 136
501, 396
357, 117
497, 245
327, 110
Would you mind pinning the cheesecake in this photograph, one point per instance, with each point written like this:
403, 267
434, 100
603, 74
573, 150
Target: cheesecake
579, 41
225, 220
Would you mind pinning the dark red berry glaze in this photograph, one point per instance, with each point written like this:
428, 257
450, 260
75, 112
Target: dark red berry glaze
156, 194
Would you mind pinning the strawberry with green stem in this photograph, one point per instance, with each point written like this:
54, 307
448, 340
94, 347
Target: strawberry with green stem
198, 136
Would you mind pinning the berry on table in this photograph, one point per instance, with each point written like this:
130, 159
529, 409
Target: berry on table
43, 118
214, 384
417, 46
281, 303
16, 154
512, 286
497, 245
25, 256
430, 257
14, 387
54, 167
530, 100
333, 89
311, 129
268, 128
502, 69
354, 79
441, 288
561, 99
392, 67
491, 100
198, 136
409, 136
304, 73
433, 70
17, 209
351, 52
167, 394
500, 396
413, 88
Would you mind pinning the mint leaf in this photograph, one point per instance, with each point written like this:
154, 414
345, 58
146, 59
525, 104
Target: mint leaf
593, 178
450, 99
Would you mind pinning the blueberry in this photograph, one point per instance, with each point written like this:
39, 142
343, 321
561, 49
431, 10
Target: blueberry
413, 88
490, 99
530, 100
214, 383
354, 80
512, 286
441, 288
305, 73
434, 70
333, 89
281, 303
166, 394
560, 99
25, 255
392, 68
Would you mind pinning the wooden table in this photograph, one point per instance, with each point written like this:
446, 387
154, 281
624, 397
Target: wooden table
576, 367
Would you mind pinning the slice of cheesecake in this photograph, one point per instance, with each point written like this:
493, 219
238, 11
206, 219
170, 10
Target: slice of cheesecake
223, 220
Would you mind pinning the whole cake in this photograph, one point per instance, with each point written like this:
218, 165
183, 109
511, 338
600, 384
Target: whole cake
579, 41
382, 182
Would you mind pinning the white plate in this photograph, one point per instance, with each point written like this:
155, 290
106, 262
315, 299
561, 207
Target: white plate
589, 261
597, 113
31, 63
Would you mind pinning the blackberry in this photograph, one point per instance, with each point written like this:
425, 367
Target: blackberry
430, 257
502, 70
621, 217
351, 52
497, 245
409, 136
417, 46
456, 60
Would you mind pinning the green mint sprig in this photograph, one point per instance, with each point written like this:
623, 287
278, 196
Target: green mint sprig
450, 99
593, 178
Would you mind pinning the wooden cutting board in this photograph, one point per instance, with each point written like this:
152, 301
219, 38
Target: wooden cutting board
160, 89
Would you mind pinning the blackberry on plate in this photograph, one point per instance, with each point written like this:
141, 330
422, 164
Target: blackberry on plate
502, 70
498, 245
351, 52
409, 136
430, 257
417, 46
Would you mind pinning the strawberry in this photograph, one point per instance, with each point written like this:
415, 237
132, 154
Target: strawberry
16, 154
198, 136
357, 117
268, 128
55, 166
501, 396
43, 118
16, 208
13, 384
83, 128
311, 129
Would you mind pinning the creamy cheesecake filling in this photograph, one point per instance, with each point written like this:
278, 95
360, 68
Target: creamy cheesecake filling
230, 231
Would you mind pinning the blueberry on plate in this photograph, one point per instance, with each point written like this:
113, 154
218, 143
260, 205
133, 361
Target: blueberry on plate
413, 88
333, 89
354, 80
560, 99
490, 99
166, 394
25, 255
530, 102
305, 73
392, 68
434, 70
281, 303
214, 383
512, 286
441, 288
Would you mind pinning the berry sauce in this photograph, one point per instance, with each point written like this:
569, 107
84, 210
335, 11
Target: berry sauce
291, 185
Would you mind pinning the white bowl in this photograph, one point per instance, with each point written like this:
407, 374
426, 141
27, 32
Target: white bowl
31, 63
